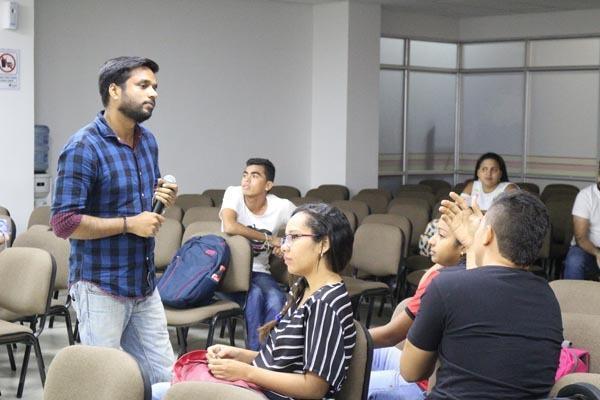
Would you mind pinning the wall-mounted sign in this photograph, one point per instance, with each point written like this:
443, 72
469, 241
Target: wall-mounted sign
9, 69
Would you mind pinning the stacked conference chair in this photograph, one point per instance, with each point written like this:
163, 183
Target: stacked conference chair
285, 192
26, 284
377, 201
359, 208
329, 193
305, 200
174, 212
41, 237
39, 216
187, 201
96, 373
529, 187
216, 195
166, 243
200, 213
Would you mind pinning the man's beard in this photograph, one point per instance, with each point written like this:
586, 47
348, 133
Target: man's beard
138, 114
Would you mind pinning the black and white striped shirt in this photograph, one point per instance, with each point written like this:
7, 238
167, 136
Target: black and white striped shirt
317, 337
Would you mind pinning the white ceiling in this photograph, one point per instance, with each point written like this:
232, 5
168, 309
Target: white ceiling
475, 8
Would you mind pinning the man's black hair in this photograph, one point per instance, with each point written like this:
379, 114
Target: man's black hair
267, 165
117, 70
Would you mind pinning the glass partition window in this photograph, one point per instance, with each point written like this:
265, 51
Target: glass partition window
492, 119
433, 54
391, 51
391, 110
571, 52
430, 129
494, 55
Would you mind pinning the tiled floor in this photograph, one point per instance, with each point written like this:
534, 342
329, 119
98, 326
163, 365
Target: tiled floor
53, 340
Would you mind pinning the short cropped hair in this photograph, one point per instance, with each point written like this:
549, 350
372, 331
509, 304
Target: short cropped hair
267, 165
520, 221
117, 70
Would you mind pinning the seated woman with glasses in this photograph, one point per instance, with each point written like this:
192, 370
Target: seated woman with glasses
307, 349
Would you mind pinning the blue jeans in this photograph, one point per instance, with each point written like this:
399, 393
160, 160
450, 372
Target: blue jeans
386, 382
580, 264
138, 326
265, 300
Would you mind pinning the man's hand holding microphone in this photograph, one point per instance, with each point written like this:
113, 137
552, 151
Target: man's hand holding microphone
147, 224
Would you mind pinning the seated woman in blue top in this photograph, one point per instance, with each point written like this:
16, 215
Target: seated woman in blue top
308, 347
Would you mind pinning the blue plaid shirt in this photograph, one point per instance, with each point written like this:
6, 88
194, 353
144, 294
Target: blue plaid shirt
101, 177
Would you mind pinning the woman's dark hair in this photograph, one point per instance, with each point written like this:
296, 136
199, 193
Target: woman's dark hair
323, 221
498, 159
118, 70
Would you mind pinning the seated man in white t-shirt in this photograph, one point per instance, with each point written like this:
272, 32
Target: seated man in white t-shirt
250, 211
583, 259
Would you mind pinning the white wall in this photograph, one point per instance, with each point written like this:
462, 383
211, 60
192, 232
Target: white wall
17, 116
530, 25
235, 80
418, 25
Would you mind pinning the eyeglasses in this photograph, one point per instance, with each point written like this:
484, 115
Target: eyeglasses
290, 238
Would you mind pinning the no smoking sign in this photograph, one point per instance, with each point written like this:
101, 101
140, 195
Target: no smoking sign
9, 69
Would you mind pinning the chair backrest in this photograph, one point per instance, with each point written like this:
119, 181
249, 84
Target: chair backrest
336, 191
400, 221
237, 277
418, 213
359, 208
13, 227
352, 220
95, 373
39, 216
205, 226
401, 197
174, 212
529, 187
577, 296
582, 330
285, 192
26, 280
204, 213
166, 243
459, 187
216, 195
41, 237
186, 201
4, 211
558, 189
357, 380
576, 378
210, 390
437, 185
559, 210
383, 192
305, 200
377, 202
413, 188
377, 249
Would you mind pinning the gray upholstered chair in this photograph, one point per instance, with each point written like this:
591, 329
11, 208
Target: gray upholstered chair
335, 192
377, 252
377, 202
418, 213
359, 208
558, 189
186, 201
384, 192
357, 381
166, 243
26, 284
41, 237
210, 390
216, 195
96, 373
305, 200
200, 213
437, 185
577, 296
413, 188
285, 192
174, 212
39, 216
593, 379
236, 280
582, 330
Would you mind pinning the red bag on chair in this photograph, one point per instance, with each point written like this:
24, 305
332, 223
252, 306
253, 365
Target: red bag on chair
193, 366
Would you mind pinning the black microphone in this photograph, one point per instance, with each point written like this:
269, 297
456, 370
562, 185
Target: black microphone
157, 206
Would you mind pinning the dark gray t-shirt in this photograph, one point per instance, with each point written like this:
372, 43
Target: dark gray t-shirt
497, 331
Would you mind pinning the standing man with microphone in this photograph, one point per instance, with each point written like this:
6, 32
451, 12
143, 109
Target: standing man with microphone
107, 178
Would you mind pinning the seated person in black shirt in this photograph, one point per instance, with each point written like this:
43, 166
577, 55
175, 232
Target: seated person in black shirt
496, 329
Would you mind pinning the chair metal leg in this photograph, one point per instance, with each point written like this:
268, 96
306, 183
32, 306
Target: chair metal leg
370, 312
222, 333
23, 371
232, 323
211, 331
182, 339
40, 361
11, 357
69, 328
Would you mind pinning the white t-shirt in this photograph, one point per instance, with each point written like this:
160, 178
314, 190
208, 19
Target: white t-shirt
484, 200
587, 205
274, 218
